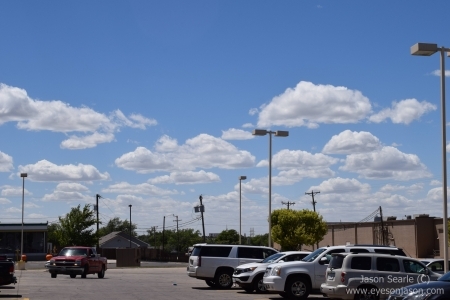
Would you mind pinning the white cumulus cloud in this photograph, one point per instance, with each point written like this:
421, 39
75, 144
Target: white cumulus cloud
309, 105
348, 142
403, 112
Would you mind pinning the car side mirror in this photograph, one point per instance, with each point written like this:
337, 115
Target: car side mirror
323, 261
93, 255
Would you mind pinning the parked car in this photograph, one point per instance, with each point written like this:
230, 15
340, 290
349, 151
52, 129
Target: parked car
297, 279
6, 271
215, 263
435, 290
8, 253
250, 276
77, 260
362, 275
437, 265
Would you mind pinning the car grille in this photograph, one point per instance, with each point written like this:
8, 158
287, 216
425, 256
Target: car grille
65, 263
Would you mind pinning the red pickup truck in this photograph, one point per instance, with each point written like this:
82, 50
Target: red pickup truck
77, 260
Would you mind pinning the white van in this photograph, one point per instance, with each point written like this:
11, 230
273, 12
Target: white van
368, 275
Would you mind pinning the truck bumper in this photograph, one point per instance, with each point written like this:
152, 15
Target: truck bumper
65, 270
273, 284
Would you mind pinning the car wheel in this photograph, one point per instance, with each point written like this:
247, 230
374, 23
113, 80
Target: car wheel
53, 275
101, 274
86, 268
210, 283
297, 288
224, 279
73, 275
258, 284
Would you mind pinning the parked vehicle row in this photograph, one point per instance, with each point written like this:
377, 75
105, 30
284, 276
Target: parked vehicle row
340, 272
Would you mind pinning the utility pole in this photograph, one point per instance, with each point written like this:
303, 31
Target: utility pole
287, 203
178, 236
202, 209
314, 206
164, 226
153, 228
96, 209
313, 202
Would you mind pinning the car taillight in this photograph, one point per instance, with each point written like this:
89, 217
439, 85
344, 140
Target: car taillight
342, 277
11, 269
199, 261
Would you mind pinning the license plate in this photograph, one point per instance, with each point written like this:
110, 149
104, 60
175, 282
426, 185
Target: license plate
330, 276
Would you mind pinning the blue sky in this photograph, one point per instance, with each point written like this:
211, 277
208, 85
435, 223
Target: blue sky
152, 103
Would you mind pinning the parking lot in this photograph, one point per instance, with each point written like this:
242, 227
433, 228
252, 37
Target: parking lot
164, 282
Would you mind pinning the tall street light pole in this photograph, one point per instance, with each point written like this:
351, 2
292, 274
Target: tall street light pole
425, 49
23, 175
277, 133
130, 225
240, 206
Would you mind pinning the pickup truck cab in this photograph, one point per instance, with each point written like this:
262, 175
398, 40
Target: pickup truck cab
6, 271
77, 260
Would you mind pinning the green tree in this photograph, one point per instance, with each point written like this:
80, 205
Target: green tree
294, 228
173, 241
260, 240
76, 228
115, 224
229, 236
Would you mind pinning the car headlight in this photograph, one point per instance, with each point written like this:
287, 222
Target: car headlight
248, 270
52, 262
276, 271
419, 295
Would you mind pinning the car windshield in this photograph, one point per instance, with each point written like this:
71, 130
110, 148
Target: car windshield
272, 258
314, 255
73, 252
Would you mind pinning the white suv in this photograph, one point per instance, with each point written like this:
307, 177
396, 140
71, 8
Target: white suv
216, 263
372, 276
250, 276
296, 280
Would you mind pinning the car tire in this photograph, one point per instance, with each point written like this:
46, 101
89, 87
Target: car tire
258, 284
297, 288
101, 274
85, 271
210, 283
73, 275
224, 279
53, 275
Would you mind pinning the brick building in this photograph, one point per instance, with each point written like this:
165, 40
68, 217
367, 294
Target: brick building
420, 236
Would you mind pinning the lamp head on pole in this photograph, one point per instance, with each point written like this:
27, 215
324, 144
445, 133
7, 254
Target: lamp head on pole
259, 132
23, 174
424, 49
281, 133
242, 177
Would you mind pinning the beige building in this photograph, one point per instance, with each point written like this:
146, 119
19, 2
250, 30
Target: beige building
420, 236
